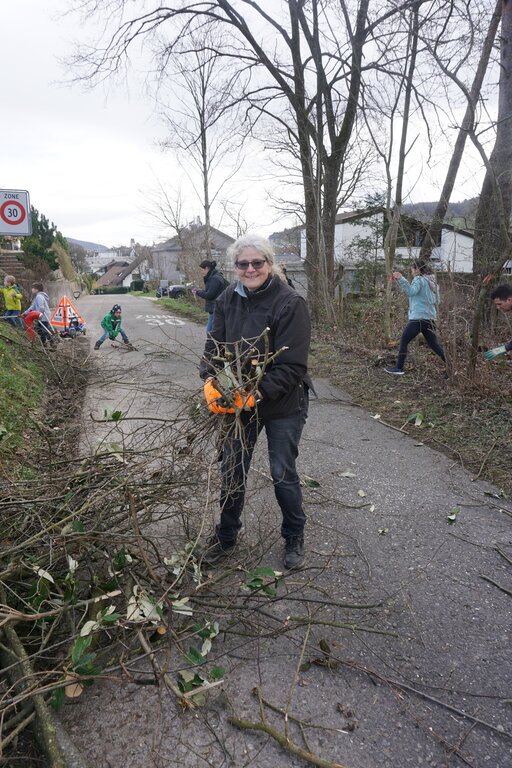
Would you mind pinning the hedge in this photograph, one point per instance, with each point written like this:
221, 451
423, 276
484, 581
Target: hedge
110, 289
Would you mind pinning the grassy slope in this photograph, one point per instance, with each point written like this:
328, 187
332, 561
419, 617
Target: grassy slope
191, 310
22, 387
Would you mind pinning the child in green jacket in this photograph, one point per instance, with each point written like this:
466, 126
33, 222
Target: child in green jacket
111, 324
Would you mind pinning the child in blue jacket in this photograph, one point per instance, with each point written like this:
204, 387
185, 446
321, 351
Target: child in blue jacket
423, 299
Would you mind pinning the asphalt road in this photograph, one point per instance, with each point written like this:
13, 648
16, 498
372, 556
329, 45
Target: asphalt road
378, 533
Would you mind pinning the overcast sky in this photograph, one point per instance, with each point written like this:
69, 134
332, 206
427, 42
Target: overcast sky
86, 158
89, 159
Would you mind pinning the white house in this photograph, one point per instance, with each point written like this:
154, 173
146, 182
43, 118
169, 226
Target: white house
359, 236
455, 253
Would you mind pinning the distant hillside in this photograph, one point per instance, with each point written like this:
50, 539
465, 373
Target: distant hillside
463, 212
88, 246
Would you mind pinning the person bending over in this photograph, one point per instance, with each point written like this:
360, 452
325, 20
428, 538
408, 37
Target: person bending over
111, 325
502, 297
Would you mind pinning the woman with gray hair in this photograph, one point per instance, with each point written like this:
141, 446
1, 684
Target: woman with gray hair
256, 301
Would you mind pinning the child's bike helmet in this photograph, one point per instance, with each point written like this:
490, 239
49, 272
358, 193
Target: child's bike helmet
116, 308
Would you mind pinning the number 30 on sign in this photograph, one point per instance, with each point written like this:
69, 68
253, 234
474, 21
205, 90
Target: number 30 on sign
15, 218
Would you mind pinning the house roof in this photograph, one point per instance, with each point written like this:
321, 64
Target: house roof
117, 273
459, 231
115, 263
174, 244
355, 215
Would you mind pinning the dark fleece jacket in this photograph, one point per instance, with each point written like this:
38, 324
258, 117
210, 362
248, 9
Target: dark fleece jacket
280, 308
214, 284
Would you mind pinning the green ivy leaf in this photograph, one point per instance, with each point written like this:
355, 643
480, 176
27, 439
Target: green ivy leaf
309, 482
57, 699
110, 618
264, 571
194, 656
80, 645
217, 673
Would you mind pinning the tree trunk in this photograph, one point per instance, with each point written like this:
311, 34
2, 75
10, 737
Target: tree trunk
434, 231
492, 246
392, 234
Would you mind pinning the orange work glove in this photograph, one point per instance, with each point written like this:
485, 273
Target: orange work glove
214, 399
217, 404
247, 400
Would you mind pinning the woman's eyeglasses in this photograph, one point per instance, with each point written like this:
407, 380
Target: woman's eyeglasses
244, 265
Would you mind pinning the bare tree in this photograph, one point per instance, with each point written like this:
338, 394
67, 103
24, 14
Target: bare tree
467, 125
491, 237
492, 245
201, 114
166, 207
309, 69
399, 96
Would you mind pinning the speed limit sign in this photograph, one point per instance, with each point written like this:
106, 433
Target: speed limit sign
15, 218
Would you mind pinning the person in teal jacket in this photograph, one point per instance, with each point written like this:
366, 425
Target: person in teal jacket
111, 325
423, 296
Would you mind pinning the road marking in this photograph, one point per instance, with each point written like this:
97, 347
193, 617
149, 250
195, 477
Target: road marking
156, 320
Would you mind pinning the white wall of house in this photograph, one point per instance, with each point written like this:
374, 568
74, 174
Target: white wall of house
344, 234
454, 254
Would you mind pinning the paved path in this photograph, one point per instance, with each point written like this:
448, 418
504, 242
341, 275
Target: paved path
378, 534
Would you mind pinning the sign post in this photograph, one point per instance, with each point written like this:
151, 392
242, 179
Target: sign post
15, 218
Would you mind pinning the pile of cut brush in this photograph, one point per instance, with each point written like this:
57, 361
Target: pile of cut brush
83, 585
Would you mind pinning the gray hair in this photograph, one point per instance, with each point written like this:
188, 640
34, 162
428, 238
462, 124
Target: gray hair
261, 244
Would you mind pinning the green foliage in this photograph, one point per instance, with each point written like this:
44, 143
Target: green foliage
137, 285
37, 249
88, 281
21, 389
185, 308
64, 259
261, 580
110, 289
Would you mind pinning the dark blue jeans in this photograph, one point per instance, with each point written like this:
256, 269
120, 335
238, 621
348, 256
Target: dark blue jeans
43, 330
105, 336
413, 329
283, 437
12, 318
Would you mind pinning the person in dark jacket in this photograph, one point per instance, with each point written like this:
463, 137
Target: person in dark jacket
214, 284
502, 297
285, 273
259, 299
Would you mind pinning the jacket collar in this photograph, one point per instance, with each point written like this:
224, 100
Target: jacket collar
266, 288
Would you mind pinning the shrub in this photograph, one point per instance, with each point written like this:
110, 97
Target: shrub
110, 289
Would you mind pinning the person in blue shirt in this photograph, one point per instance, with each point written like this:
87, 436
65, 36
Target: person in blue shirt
423, 296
